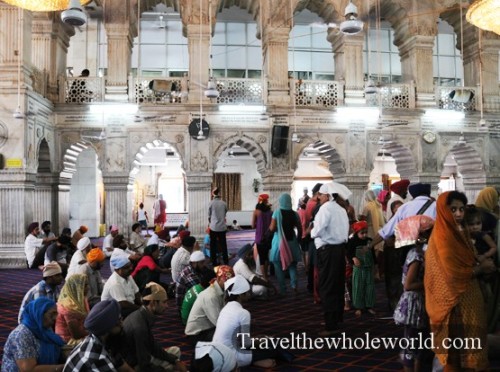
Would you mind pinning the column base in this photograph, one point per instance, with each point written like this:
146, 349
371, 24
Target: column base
116, 93
355, 98
278, 97
12, 257
425, 100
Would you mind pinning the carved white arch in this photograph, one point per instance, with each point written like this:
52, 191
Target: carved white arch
336, 165
70, 157
405, 163
248, 144
469, 164
136, 163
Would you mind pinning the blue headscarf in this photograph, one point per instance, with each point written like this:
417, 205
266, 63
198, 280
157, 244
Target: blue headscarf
285, 202
50, 343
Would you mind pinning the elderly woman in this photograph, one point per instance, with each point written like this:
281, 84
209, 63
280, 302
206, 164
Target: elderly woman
33, 343
285, 249
72, 309
453, 298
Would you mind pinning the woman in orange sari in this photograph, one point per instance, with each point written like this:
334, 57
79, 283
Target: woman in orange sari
454, 301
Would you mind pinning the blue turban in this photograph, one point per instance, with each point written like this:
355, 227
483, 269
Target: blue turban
50, 343
119, 260
418, 189
103, 317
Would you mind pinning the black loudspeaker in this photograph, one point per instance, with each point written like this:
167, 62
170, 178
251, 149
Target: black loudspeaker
280, 140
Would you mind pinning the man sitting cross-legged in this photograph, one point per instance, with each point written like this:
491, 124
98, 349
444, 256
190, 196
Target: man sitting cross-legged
143, 352
101, 349
189, 276
92, 269
203, 316
48, 287
121, 287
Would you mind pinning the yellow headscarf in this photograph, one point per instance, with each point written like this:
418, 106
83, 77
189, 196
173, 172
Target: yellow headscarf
487, 199
73, 296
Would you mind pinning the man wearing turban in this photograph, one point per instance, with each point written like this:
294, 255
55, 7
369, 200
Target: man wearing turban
32, 244
92, 269
399, 192
105, 332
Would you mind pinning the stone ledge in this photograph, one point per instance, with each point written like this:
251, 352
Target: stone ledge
12, 263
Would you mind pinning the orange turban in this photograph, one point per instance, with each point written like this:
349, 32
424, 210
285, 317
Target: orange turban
84, 229
96, 255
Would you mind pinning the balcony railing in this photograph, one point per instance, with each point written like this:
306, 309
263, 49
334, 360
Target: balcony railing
237, 91
157, 91
392, 96
81, 90
457, 98
319, 93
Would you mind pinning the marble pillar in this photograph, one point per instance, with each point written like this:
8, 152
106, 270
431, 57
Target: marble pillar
63, 202
16, 199
119, 61
198, 194
358, 184
275, 64
117, 206
44, 200
276, 184
198, 45
348, 55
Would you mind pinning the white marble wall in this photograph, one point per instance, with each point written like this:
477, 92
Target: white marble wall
84, 196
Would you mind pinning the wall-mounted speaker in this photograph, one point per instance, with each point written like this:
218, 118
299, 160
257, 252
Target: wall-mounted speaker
279, 140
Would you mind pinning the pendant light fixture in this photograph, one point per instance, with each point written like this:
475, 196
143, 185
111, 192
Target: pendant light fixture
484, 14
43, 5
211, 91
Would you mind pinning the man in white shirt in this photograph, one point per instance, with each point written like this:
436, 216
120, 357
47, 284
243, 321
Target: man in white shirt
330, 234
107, 244
206, 308
32, 243
121, 287
245, 266
180, 259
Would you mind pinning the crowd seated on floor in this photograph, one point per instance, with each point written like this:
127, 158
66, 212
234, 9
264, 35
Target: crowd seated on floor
74, 322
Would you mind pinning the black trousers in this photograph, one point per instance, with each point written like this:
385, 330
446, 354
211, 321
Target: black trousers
331, 267
218, 238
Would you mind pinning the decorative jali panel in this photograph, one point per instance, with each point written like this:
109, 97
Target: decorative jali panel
235, 91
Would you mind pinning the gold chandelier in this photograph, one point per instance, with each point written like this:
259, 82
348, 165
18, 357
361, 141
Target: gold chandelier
485, 15
43, 5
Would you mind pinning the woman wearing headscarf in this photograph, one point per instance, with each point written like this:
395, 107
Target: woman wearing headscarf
148, 269
487, 202
72, 309
285, 249
33, 342
453, 298
372, 214
261, 219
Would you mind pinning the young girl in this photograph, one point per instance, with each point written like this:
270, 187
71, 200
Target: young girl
362, 256
484, 243
411, 234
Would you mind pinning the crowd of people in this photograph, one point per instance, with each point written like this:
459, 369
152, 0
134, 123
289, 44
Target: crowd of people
437, 258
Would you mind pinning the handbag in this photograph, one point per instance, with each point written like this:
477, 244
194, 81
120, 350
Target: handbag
285, 252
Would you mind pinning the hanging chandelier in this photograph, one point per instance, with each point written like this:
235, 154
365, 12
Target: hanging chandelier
484, 14
43, 5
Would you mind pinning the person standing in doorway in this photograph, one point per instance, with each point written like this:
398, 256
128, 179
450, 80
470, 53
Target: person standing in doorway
142, 218
160, 212
217, 210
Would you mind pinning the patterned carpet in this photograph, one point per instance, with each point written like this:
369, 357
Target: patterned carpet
277, 317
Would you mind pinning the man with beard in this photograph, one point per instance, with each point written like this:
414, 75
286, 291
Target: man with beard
245, 267
48, 287
143, 352
121, 287
92, 269
99, 351
58, 252
189, 276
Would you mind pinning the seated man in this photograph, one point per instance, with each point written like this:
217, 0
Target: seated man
191, 295
32, 244
48, 287
107, 243
189, 276
121, 287
92, 269
245, 266
58, 251
203, 316
181, 256
213, 356
143, 352
99, 351
80, 256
